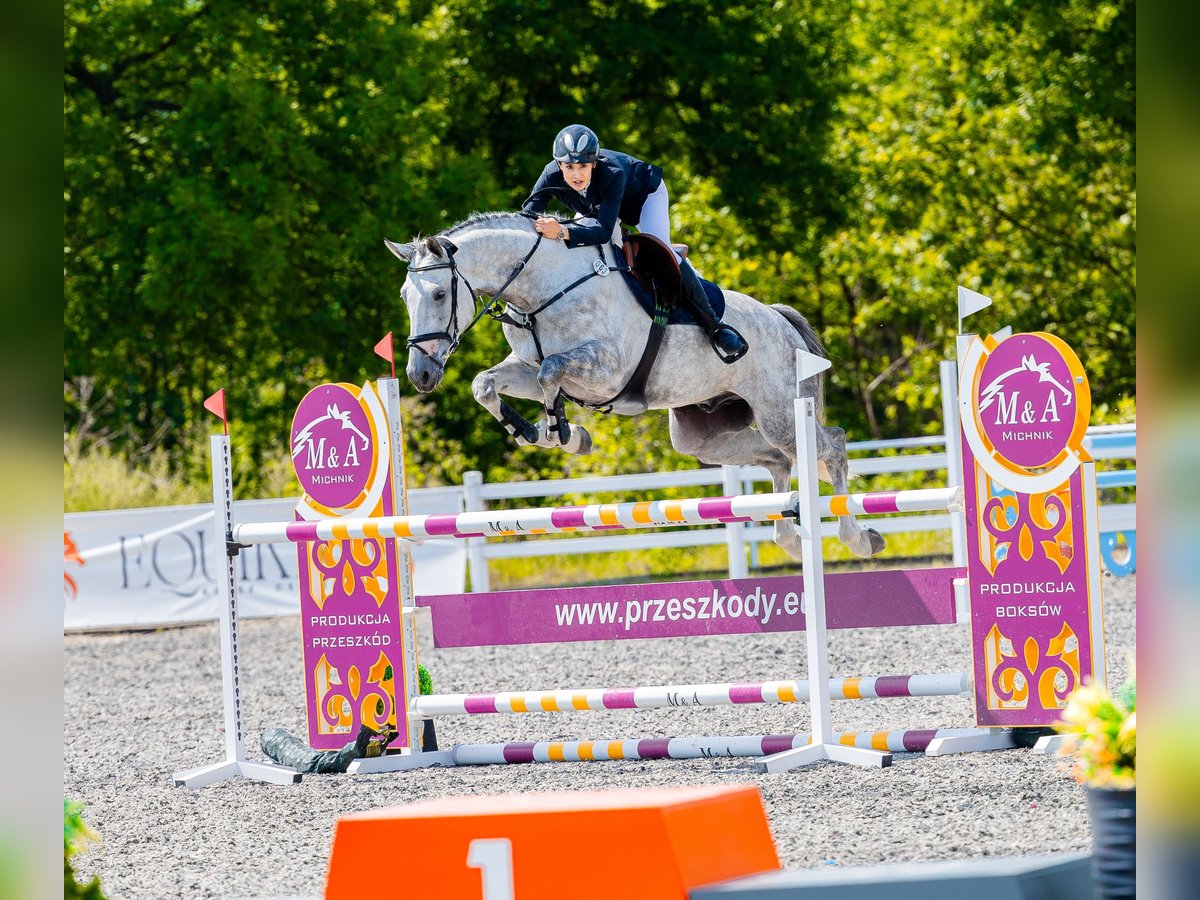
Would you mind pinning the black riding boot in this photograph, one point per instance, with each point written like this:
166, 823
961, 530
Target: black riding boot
728, 344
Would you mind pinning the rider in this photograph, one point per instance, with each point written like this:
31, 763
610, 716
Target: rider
608, 186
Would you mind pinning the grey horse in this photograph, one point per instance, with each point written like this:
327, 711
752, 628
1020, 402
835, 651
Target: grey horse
585, 344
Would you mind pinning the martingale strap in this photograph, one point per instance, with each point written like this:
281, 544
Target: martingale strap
600, 267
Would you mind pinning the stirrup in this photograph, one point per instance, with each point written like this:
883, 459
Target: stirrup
729, 358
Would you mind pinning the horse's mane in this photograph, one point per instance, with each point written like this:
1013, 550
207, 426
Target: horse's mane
484, 220
490, 221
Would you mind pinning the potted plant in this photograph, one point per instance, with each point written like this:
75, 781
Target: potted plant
1101, 743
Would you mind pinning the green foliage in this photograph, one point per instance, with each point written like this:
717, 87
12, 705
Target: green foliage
97, 477
230, 171
992, 149
75, 834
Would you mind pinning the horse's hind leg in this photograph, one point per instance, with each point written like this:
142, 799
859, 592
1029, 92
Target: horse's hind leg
777, 424
724, 437
831, 455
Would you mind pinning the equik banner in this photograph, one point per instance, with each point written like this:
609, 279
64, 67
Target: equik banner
138, 568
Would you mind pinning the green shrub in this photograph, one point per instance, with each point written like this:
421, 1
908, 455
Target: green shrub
97, 477
75, 833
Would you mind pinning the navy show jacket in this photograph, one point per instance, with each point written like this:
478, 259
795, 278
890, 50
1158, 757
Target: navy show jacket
619, 187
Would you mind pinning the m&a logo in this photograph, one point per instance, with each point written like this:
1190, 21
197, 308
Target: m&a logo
1032, 399
1007, 412
319, 457
333, 449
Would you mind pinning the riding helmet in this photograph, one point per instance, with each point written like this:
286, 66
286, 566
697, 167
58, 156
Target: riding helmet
576, 144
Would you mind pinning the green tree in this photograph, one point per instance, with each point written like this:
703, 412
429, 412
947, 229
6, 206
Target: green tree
230, 172
992, 145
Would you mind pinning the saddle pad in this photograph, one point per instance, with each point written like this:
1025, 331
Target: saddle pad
682, 313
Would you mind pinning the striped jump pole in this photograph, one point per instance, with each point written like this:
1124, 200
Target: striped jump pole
944, 684
705, 747
594, 517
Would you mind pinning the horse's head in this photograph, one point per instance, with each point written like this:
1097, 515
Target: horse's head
439, 301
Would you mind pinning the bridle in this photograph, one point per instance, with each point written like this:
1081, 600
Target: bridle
451, 332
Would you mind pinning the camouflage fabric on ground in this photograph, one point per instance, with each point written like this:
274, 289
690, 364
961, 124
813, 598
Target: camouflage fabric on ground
288, 750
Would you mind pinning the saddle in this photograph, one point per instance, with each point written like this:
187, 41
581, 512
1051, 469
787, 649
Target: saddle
654, 265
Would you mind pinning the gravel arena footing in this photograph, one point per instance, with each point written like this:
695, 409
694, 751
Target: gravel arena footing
143, 705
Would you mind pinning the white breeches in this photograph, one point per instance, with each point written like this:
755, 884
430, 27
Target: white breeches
656, 218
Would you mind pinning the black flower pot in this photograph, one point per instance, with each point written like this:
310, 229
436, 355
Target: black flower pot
1114, 841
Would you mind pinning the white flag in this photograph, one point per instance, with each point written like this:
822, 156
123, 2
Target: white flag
808, 365
970, 302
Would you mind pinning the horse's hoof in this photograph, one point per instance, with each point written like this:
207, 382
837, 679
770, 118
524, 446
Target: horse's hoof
876, 540
864, 543
787, 538
580, 442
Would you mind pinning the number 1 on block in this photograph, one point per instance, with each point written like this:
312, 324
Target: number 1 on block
493, 857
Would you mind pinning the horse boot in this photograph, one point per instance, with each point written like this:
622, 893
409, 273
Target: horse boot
726, 342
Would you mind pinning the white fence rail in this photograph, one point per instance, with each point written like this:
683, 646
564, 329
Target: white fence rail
1104, 442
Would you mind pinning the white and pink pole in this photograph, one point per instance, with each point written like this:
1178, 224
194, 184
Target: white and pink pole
943, 684
594, 517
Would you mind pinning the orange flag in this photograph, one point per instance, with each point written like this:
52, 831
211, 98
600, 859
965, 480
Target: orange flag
384, 349
216, 405
71, 554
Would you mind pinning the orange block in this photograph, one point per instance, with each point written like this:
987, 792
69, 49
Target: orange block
648, 843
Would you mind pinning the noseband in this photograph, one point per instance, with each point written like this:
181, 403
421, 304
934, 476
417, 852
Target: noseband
451, 332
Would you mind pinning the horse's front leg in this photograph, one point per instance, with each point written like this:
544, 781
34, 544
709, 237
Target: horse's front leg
589, 362
556, 431
512, 378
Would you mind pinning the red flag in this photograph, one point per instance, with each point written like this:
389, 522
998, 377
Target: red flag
216, 405
384, 349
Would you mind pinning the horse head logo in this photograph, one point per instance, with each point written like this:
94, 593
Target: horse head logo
1028, 364
333, 412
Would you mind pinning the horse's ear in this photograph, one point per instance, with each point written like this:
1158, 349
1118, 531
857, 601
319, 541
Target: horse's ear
434, 246
402, 251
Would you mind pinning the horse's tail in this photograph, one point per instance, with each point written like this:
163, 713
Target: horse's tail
812, 344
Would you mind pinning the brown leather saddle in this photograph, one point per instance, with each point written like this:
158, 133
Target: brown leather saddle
654, 265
